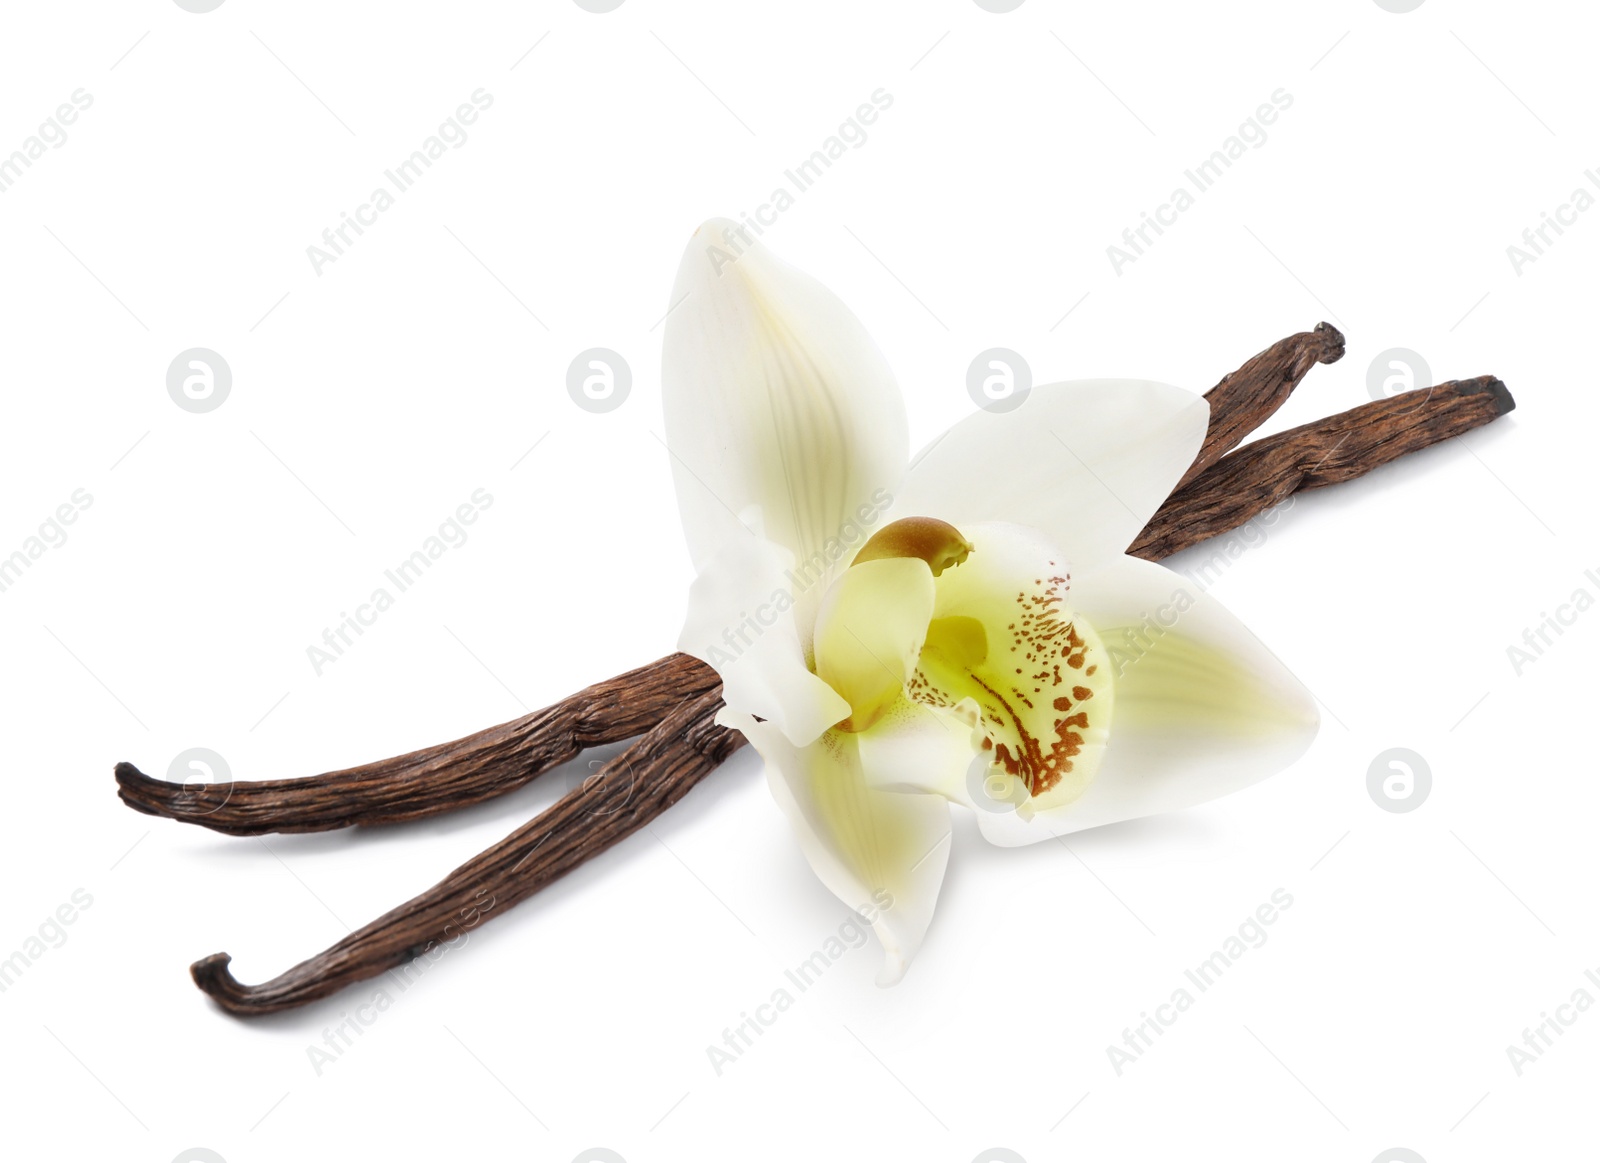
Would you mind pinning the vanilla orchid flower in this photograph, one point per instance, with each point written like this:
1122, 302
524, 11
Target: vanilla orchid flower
894, 635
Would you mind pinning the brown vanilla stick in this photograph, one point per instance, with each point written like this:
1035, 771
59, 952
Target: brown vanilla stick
1244, 399
628, 792
687, 745
435, 779
1264, 473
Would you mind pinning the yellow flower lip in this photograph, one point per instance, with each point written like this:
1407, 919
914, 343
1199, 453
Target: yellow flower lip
936, 542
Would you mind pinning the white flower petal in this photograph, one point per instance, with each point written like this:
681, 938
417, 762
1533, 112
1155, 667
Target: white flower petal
1202, 707
1085, 463
881, 853
742, 624
918, 747
782, 416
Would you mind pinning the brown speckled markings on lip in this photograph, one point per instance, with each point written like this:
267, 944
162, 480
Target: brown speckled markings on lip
1044, 637
1047, 644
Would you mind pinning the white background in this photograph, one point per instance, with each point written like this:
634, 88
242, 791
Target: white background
372, 399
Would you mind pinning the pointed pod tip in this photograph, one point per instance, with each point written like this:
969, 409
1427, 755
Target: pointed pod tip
128, 773
213, 977
1332, 342
1495, 387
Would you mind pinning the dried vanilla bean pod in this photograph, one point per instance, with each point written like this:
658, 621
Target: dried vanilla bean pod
1266, 472
435, 779
1246, 398
631, 790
